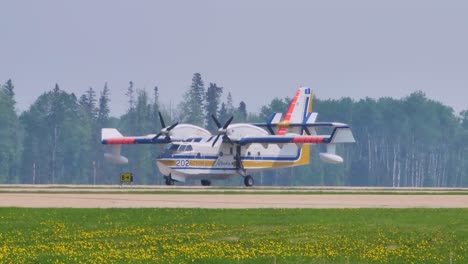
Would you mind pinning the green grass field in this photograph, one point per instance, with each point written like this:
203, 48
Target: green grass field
233, 236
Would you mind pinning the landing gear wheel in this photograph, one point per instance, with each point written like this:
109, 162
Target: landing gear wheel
205, 182
169, 181
248, 181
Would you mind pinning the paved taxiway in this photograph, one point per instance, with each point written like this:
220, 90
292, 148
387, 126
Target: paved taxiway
131, 200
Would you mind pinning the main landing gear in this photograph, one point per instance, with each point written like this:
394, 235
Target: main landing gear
169, 180
248, 181
205, 182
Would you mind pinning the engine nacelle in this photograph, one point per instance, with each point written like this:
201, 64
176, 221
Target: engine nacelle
115, 158
331, 158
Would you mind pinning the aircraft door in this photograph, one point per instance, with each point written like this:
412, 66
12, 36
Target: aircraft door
200, 158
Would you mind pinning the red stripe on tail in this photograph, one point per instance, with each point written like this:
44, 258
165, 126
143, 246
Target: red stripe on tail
313, 140
287, 118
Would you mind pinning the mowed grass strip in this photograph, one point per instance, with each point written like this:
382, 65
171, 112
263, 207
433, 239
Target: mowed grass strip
233, 236
256, 192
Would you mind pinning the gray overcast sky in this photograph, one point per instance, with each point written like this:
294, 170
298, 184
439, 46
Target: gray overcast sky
258, 50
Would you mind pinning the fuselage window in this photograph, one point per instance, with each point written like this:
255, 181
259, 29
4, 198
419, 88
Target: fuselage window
248, 153
230, 151
221, 154
182, 148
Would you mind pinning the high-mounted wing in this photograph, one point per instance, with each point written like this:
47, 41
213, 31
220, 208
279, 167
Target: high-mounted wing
173, 133
111, 136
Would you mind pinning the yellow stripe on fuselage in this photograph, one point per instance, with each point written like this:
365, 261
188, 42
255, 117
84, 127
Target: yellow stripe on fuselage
248, 164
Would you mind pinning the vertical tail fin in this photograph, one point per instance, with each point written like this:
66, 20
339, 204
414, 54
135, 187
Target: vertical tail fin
298, 111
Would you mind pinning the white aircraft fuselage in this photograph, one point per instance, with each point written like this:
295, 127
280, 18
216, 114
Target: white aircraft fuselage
197, 159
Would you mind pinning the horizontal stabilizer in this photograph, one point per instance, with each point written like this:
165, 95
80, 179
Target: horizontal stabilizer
342, 135
275, 118
312, 117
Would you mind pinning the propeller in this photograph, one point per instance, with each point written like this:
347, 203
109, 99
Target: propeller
222, 130
165, 130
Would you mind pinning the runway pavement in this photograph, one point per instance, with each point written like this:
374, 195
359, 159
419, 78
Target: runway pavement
132, 200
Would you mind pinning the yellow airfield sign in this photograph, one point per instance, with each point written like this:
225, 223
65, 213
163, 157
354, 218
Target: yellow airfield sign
126, 177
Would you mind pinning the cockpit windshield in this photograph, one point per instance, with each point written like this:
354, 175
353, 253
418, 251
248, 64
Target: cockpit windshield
171, 148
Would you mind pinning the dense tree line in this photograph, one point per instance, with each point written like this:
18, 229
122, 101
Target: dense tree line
413, 141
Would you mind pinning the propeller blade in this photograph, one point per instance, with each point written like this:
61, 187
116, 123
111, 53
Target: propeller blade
157, 136
172, 126
216, 121
228, 122
163, 125
307, 131
214, 142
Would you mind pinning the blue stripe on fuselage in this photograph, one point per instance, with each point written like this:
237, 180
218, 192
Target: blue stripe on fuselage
265, 158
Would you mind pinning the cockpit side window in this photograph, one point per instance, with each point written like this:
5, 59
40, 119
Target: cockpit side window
188, 148
173, 147
182, 148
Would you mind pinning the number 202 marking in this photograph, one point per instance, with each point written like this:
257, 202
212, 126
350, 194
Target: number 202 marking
182, 163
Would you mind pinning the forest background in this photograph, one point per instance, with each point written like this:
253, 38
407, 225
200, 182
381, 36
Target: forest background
409, 142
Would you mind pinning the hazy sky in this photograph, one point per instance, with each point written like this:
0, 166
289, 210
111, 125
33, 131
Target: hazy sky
258, 50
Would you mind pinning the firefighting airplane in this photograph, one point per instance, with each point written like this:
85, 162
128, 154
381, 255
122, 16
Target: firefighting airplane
194, 153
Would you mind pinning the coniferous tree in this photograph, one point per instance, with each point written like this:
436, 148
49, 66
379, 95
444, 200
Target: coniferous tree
131, 96
142, 162
88, 103
223, 114
229, 105
191, 108
8, 134
52, 142
213, 94
464, 119
9, 90
241, 112
155, 110
103, 109
100, 170
155, 123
